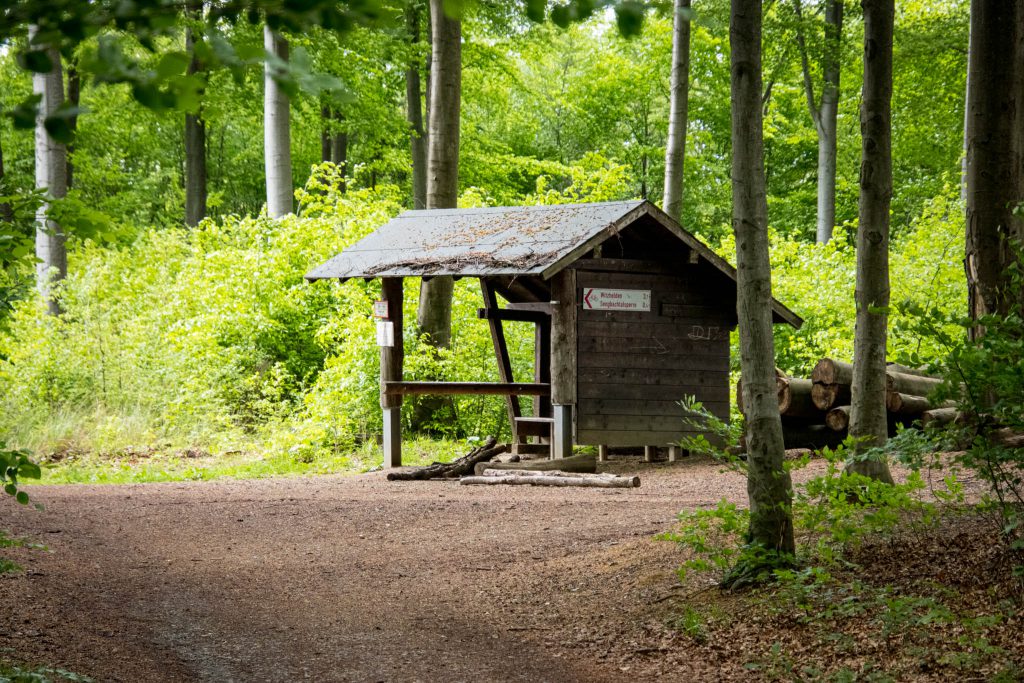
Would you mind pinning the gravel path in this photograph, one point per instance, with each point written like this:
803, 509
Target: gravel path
352, 579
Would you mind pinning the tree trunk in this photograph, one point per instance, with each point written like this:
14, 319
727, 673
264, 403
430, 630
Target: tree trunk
995, 154
195, 141
74, 97
325, 134
435, 308
6, 210
51, 176
768, 484
675, 149
414, 111
276, 132
825, 115
868, 419
339, 151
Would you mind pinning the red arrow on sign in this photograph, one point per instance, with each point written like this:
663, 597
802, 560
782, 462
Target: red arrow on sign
586, 298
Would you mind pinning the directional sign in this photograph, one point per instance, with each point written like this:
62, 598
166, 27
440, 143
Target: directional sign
595, 299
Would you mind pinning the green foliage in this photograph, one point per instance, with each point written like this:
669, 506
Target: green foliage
15, 465
43, 674
922, 273
985, 376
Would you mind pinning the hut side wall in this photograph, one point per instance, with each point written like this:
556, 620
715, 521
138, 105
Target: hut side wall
634, 367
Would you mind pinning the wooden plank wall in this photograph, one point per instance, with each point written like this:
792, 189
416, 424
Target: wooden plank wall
635, 367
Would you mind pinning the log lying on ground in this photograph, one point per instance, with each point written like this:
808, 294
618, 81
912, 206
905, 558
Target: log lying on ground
838, 419
906, 370
813, 436
780, 388
552, 478
913, 385
1008, 437
906, 404
939, 416
586, 464
456, 468
831, 371
798, 434
795, 399
828, 396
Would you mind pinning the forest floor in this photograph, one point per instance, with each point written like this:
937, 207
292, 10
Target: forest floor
360, 579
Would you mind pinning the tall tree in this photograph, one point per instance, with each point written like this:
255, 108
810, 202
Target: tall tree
6, 210
277, 153
868, 421
195, 135
414, 109
52, 178
995, 156
74, 96
434, 316
768, 484
825, 113
675, 149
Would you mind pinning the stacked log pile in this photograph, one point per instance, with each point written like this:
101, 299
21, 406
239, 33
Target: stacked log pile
816, 412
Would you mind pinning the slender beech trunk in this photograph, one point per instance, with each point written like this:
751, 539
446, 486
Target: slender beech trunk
74, 97
768, 484
824, 115
995, 156
6, 210
434, 316
414, 111
339, 151
195, 141
675, 149
868, 415
325, 134
276, 132
51, 176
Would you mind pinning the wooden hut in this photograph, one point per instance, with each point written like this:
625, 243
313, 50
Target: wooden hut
631, 313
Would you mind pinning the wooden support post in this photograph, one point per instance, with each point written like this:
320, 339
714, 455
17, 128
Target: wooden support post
542, 366
602, 454
391, 360
563, 360
501, 354
674, 453
392, 437
562, 446
649, 452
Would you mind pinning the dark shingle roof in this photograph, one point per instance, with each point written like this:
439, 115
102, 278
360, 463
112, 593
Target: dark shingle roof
508, 240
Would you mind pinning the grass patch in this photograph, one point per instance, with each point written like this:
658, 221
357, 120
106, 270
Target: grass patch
138, 466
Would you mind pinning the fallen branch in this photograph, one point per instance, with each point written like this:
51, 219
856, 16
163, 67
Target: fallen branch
456, 468
553, 478
577, 463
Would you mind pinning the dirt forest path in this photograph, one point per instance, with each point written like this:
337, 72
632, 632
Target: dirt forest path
354, 579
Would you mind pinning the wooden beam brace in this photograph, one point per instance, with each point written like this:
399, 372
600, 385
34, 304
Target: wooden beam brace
512, 406
512, 315
469, 388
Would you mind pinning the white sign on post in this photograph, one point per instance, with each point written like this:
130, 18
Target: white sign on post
595, 299
380, 309
385, 333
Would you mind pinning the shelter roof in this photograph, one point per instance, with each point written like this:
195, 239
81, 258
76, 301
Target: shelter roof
508, 240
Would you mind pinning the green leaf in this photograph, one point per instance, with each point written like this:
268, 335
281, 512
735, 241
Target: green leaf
24, 114
454, 9
29, 470
37, 61
10, 489
172, 64
535, 9
629, 16
22, 497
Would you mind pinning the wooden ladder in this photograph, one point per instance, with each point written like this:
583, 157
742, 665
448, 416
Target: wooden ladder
533, 426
